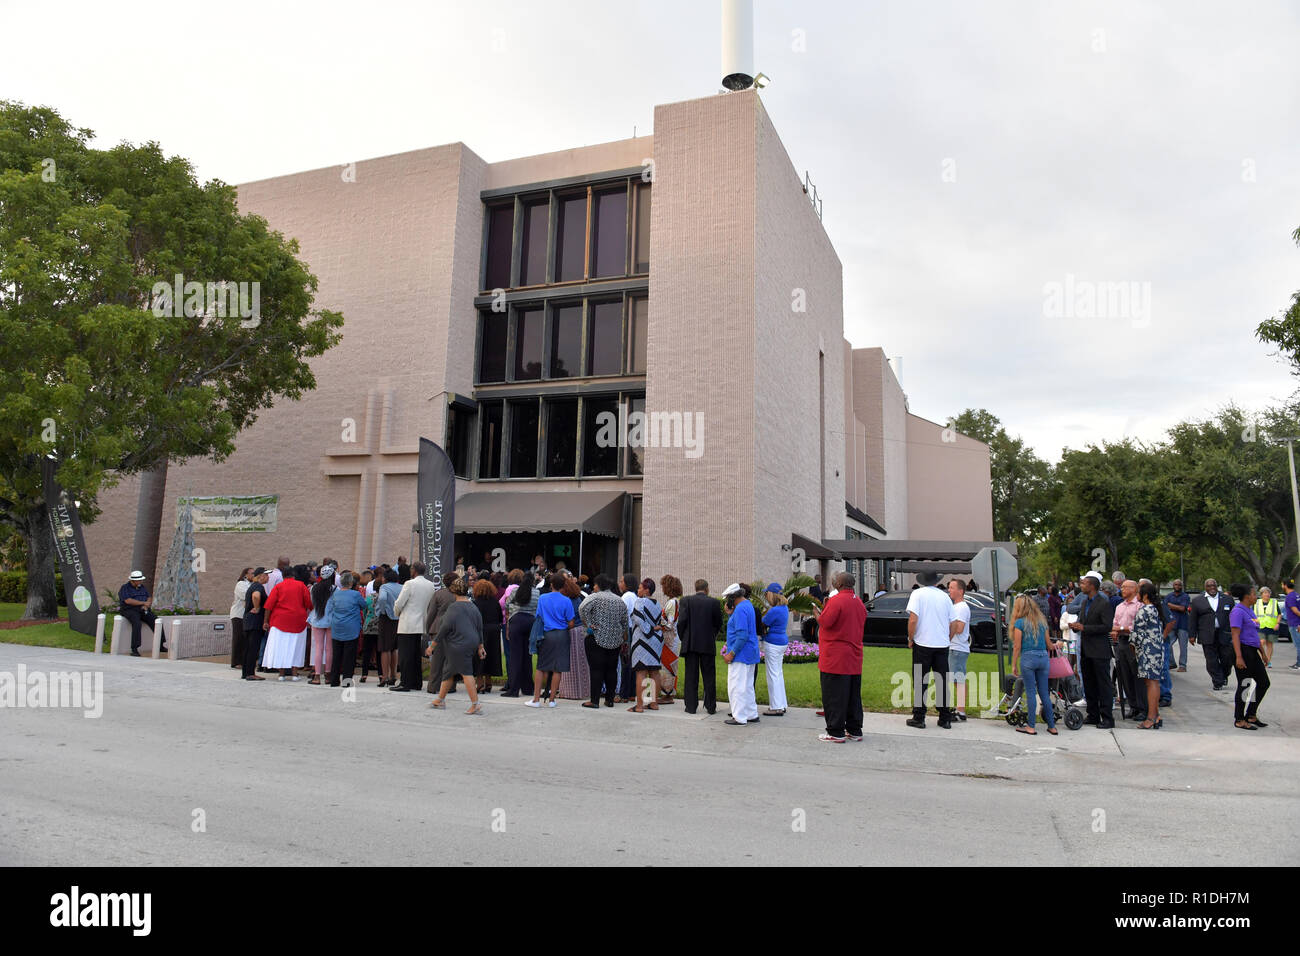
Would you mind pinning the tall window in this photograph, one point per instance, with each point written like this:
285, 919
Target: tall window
489, 455
570, 237
460, 439
566, 340
523, 439
636, 453
528, 344
500, 242
609, 232
605, 338
532, 252
638, 314
600, 438
561, 438
492, 347
641, 245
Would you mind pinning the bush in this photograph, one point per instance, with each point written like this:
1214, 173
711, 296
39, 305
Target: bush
13, 587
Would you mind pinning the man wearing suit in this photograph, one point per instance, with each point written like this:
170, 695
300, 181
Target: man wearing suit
1207, 625
412, 607
1096, 617
697, 627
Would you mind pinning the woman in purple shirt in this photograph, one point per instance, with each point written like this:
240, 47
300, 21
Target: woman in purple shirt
1252, 677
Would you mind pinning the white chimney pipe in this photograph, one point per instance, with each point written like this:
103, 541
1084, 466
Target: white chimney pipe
737, 44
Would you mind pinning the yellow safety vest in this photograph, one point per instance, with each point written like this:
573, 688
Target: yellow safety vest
1267, 613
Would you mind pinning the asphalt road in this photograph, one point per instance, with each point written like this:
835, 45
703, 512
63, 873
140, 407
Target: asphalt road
189, 765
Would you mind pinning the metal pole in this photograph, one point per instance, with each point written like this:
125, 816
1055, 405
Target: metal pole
580, 534
1295, 498
997, 620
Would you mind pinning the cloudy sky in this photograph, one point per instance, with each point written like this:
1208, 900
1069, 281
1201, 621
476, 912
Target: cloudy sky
986, 167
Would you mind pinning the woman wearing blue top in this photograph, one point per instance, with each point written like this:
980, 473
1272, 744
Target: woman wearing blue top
1252, 677
346, 611
556, 611
775, 641
741, 655
1030, 644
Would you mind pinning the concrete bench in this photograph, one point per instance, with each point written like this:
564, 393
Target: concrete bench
188, 636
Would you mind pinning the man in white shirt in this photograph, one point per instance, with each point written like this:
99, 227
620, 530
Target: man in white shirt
274, 577
929, 631
959, 643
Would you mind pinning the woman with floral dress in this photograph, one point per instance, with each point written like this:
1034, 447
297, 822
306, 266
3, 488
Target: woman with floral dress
1149, 646
672, 590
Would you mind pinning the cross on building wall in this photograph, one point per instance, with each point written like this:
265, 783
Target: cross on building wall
374, 458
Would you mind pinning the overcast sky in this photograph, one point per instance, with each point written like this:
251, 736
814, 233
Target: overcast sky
969, 155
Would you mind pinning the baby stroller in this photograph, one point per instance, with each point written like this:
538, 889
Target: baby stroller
1060, 690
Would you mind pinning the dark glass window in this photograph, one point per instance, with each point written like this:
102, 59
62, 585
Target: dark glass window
641, 248
492, 347
637, 316
570, 237
600, 438
528, 344
636, 453
523, 439
489, 455
532, 254
609, 233
605, 338
460, 439
501, 234
562, 438
566, 340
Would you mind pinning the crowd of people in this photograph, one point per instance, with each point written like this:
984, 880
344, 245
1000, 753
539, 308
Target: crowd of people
547, 634
1123, 633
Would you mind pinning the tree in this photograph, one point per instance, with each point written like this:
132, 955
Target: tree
1284, 330
94, 369
1022, 483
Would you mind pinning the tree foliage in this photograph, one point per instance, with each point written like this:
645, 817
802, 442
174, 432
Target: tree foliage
1022, 482
89, 372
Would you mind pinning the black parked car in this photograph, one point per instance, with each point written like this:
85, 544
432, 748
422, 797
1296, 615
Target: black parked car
887, 620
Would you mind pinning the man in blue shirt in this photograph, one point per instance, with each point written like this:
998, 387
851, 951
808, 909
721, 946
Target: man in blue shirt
1176, 603
136, 606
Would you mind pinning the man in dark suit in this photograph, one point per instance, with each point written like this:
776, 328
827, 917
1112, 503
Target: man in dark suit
1207, 625
1096, 617
697, 627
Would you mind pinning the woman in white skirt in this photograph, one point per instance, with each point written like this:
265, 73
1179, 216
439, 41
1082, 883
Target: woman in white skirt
286, 617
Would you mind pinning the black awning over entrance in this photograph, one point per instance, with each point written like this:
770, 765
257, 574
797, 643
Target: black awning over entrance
904, 550
495, 512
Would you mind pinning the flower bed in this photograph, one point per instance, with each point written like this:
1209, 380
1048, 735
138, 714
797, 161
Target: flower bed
797, 652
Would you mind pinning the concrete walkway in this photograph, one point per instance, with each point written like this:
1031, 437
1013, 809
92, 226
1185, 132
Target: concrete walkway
283, 773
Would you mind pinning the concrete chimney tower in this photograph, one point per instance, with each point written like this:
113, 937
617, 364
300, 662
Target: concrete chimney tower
737, 44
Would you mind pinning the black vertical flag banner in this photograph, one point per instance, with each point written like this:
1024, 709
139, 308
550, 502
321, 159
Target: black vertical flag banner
65, 526
437, 506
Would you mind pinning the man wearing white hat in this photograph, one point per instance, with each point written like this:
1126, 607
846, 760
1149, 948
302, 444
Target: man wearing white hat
136, 606
1096, 617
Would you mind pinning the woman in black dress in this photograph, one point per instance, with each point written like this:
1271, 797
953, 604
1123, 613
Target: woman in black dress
488, 601
460, 634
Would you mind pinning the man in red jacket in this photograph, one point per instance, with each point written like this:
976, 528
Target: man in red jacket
839, 626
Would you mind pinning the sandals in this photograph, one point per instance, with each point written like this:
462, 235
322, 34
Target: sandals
314, 680
773, 713
437, 704
590, 706
1256, 722
1052, 731
1026, 730
475, 708
1244, 725
635, 710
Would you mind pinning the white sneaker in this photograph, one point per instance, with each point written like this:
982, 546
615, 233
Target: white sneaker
282, 678
550, 703
532, 703
295, 677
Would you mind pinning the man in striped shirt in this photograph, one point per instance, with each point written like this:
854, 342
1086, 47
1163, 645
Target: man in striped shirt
605, 616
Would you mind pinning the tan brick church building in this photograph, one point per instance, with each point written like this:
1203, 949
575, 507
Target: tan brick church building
680, 285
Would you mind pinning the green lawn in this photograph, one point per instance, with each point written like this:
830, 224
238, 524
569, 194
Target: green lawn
50, 635
880, 665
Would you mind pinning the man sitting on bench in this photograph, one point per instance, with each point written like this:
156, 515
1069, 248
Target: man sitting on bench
137, 607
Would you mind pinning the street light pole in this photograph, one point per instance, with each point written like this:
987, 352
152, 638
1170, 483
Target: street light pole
1295, 497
